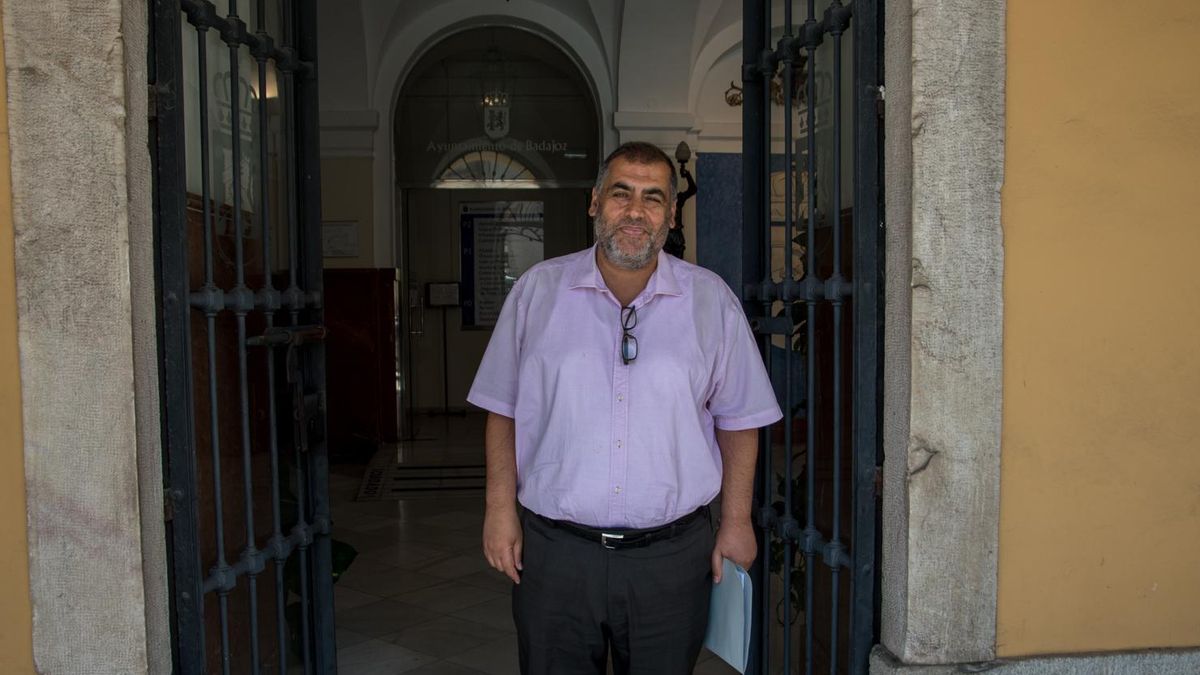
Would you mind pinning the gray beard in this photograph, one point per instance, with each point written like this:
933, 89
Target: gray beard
629, 261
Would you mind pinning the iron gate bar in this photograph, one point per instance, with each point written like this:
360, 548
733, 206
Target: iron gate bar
288, 335
225, 581
278, 547
812, 39
756, 33
787, 55
765, 74
294, 301
868, 322
234, 35
837, 18
294, 298
771, 520
174, 330
309, 145
284, 546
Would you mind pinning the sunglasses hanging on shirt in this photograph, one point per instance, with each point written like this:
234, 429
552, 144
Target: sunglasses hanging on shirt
629, 343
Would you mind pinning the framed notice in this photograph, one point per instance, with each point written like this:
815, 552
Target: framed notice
339, 239
500, 240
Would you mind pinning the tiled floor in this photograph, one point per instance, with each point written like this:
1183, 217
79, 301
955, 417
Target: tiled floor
420, 599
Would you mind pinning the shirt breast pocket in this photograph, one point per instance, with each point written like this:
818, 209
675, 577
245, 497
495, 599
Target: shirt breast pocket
676, 372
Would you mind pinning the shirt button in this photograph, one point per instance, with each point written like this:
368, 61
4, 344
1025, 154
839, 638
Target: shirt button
617, 489
620, 397
618, 444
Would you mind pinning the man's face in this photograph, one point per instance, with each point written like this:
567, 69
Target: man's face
631, 214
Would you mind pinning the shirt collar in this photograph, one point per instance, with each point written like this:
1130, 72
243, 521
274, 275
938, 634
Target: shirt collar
585, 273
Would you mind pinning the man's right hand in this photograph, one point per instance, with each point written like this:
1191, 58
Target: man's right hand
502, 541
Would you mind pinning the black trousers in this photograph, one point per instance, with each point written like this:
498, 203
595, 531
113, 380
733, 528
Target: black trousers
578, 601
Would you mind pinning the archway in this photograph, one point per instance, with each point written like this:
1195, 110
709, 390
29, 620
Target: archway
476, 104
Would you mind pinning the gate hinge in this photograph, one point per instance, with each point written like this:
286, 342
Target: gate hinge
152, 101
879, 101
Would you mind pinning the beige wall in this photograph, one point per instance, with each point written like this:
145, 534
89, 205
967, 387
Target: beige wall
347, 195
1100, 491
16, 645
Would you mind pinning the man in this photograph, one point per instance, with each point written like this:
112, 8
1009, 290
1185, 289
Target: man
625, 391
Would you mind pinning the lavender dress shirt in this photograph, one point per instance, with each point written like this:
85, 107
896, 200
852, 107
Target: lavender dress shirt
606, 444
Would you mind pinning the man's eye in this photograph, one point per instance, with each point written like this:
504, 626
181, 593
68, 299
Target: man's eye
620, 194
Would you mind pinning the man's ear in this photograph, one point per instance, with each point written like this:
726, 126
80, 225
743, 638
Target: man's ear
594, 205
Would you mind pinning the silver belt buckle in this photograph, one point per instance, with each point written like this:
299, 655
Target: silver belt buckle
605, 538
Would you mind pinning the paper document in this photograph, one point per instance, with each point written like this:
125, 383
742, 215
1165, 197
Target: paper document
729, 617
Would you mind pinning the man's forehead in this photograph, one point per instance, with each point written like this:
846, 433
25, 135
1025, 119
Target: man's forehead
637, 173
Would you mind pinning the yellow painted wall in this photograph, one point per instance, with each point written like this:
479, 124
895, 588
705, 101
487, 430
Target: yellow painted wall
1100, 491
347, 194
16, 630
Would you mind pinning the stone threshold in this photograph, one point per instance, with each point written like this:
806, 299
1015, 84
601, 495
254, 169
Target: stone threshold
1145, 662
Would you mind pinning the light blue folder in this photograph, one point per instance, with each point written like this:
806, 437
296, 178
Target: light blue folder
729, 617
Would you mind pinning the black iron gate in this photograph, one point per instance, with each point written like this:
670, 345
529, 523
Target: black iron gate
818, 311
237, 213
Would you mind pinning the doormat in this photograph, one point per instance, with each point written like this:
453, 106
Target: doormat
409, 481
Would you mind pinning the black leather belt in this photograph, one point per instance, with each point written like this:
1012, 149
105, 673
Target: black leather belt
616, 538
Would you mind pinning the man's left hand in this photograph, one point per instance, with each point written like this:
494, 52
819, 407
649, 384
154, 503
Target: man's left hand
736, 541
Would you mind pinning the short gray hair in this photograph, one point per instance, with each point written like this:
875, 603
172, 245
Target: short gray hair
639, 152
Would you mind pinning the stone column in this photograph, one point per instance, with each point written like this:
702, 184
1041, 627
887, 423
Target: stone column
76, 75
944, 168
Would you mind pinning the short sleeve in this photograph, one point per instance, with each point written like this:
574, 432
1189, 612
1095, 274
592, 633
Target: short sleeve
743, 397
495, 385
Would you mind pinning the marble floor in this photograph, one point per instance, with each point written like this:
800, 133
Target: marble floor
420, 599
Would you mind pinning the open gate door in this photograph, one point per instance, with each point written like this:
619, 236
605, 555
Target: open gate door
237, 222
808, 262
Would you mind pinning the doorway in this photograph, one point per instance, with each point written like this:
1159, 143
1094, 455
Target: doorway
497, 143
493, 124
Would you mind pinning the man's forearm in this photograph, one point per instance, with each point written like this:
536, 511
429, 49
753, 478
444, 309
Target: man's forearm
502, 536
739, 452
735, 537
501, 452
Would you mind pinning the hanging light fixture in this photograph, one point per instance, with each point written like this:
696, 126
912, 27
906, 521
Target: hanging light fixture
495, 78
494, 95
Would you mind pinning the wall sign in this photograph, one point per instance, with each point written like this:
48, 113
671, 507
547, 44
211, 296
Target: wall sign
442, 294
339, 239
